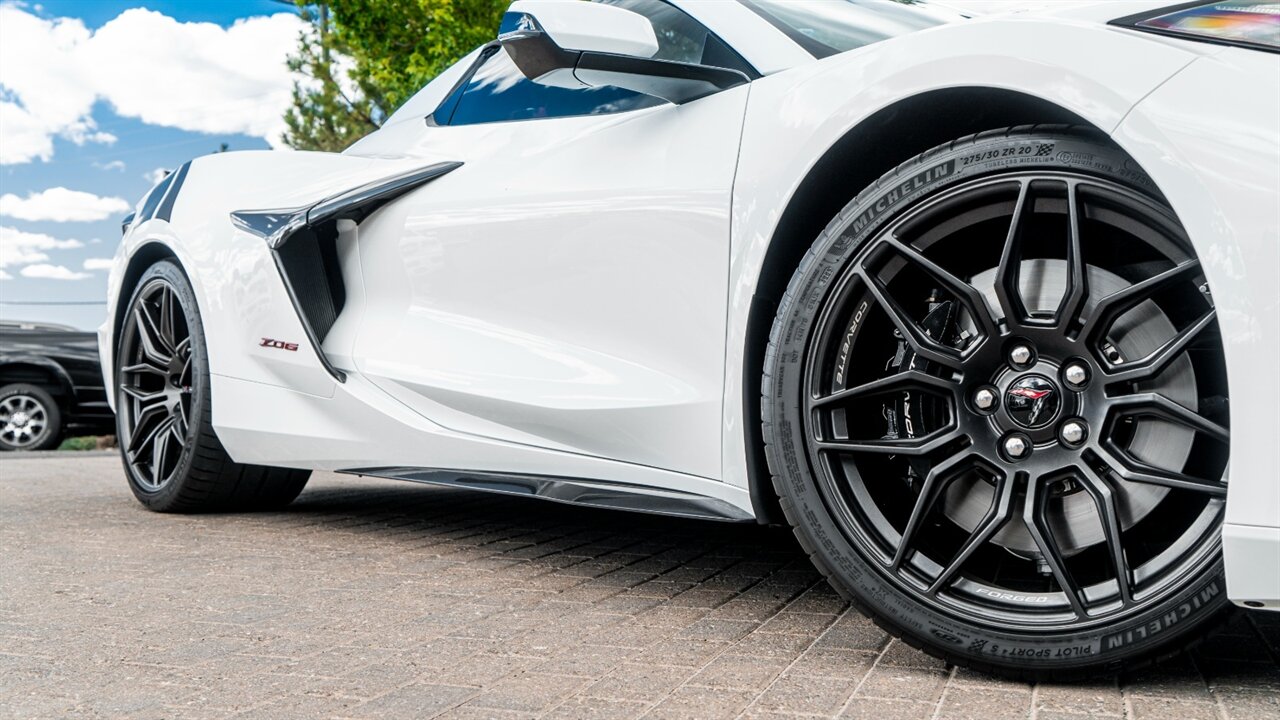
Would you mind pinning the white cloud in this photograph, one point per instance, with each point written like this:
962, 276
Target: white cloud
113, 165
18, 247
193, 76
25, 137
98, 264
17, 256
5, 276
59, 204
45, 271
156, 175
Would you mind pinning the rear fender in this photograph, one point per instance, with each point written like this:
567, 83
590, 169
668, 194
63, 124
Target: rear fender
797, 116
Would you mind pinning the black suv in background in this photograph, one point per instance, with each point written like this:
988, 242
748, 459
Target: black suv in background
50, 386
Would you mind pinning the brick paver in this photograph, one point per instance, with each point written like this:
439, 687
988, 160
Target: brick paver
371, 599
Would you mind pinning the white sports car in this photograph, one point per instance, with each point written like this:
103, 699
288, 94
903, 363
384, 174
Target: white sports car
960, 299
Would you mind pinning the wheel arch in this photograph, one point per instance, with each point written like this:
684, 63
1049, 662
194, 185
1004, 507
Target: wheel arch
39, 371
146, 254
875, 146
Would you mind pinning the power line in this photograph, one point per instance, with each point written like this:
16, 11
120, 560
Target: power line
53, 302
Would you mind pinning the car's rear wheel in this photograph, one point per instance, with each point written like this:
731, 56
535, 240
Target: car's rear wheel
172, 457
29, 418
995, 408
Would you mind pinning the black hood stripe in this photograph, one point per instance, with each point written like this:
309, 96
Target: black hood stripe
159, 202
165, 211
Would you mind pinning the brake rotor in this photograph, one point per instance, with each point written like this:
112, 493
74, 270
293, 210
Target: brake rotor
1073, 516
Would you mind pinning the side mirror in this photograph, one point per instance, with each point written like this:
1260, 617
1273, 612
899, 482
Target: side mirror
584, 26
577, 44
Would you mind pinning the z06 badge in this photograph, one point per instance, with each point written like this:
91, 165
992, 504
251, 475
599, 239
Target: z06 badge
278, 344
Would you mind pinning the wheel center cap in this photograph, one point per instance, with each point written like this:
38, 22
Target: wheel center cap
1033, 401
20, 419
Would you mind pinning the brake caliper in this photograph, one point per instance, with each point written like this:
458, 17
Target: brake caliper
912, 413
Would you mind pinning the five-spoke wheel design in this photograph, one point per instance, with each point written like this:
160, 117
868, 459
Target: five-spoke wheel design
1016, 402
155, 384
24, 421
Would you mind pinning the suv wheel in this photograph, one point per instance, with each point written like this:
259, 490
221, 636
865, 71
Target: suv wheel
29, 418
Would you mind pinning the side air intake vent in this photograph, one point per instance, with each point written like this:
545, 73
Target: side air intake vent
303, 242
309, 263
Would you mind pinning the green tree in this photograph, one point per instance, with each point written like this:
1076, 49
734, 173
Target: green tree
388, 49
322, 116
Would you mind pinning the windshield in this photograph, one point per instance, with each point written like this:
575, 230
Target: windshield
827, 27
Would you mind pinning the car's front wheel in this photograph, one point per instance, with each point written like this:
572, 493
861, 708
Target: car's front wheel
172, 457
995, 408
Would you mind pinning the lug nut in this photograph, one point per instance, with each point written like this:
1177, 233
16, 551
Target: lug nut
1074, 432
984, 399
1076, 375
1020, 355
1017, 446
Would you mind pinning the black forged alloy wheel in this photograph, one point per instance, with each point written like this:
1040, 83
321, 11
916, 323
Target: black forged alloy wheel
172, 458
155, 384
995, 407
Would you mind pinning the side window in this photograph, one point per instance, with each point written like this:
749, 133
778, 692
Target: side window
497, 92
433, 93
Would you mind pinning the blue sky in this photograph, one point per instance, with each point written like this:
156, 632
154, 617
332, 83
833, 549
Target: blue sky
96, 13
118, 169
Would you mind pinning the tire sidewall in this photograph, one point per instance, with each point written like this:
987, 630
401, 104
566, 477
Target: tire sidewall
170, 273
53, 415
1099, 648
